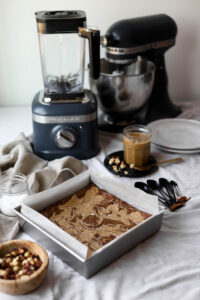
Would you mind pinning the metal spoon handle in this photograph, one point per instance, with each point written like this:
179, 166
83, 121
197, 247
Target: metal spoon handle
176, 188
167, 161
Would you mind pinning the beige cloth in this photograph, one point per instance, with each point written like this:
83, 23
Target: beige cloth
9, 226
18, 157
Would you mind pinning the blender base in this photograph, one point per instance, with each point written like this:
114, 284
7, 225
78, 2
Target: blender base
65, 128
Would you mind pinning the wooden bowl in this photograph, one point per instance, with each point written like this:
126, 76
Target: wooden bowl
27, 284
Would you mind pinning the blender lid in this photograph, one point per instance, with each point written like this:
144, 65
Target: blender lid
60, 21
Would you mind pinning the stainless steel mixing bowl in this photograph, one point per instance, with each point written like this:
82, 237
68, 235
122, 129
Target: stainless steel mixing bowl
123, 90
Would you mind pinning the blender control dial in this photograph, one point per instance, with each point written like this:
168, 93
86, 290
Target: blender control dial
65, 139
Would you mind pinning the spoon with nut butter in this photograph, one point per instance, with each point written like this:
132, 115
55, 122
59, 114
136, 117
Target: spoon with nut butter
148, 167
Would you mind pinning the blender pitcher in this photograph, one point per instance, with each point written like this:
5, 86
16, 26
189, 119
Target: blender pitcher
62, 52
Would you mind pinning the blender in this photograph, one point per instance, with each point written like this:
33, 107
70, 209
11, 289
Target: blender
64, 113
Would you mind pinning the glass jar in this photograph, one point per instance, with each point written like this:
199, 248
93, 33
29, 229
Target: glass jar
14, 190
137, 144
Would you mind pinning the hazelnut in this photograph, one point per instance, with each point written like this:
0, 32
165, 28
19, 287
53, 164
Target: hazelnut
31, 261
123, 165
21, 272
126, 172
117, 160
7, 255
2, 272
26, 266
21, 250
111, 160
115, 169
29, 272
16, 268
31, 268
8, 260
25, 261
8, 271
27, 254
22, 258
14, 252
15, 262
38, 264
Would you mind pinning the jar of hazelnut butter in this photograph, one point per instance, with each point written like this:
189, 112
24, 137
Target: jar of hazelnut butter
137, 144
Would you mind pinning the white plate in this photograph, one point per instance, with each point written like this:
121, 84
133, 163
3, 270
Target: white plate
176, 134
177, 151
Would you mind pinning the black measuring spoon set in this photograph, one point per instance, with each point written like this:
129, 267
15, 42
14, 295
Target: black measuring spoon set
168, 192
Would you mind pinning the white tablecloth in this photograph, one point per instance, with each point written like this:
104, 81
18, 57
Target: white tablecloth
166, 266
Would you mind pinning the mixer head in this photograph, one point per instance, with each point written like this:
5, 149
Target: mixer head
126, 39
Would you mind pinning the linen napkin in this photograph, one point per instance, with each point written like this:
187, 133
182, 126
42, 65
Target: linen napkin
9, 227
18, 157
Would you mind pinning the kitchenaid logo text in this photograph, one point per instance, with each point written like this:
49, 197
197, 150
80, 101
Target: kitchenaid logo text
64, 119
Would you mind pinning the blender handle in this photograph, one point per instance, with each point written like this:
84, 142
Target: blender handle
93, 36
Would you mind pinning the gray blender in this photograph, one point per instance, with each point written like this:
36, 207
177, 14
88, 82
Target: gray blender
64, 113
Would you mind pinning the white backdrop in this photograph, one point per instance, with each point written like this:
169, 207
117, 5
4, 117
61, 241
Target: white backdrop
20, 70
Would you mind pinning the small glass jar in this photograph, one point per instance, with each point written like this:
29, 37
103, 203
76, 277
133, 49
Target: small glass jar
137, 144
13, 190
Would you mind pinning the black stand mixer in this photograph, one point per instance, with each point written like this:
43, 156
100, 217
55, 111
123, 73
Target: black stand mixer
133, 84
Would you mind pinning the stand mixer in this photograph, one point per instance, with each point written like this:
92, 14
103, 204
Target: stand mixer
133, 84
64, 113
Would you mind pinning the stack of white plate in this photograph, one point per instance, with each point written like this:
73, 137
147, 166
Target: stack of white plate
176, 135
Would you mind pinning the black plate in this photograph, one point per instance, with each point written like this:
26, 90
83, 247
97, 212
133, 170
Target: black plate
131, 172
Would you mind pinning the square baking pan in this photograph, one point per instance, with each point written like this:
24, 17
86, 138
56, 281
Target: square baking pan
106, 254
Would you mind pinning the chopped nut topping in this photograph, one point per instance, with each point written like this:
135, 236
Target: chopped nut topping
18, 263
126, 172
